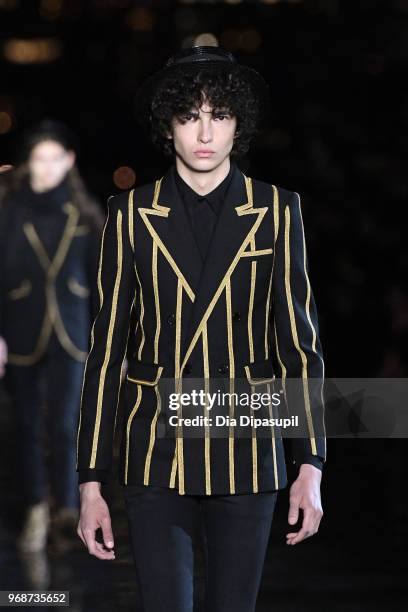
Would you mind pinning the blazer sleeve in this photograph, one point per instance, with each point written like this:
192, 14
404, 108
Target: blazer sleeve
116, 283
295, 331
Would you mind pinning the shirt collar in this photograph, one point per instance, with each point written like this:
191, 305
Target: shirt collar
214, 198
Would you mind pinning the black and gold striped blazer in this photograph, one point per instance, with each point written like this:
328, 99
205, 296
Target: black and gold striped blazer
248, 313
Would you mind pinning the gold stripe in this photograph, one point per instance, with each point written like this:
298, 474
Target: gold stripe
144, 212
128, 425
231, 359
268, 300
250, 311
294, 331
254, 453
257, 252
143, 381
152, 438
260, 212
130, 219
206, 413
21, 291
271, 415
309, 291
141, 316
109, 339
177, 348
156, 303
100, 292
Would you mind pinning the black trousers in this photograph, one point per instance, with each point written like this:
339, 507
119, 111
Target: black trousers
164, 529
54, 383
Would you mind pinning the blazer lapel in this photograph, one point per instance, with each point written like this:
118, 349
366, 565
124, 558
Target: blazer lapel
167, 221
236, 225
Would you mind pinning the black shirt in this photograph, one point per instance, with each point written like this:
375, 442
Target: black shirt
203, 210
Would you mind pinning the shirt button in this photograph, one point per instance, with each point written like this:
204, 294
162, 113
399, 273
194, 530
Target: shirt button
236, 316
171, 319
223, 368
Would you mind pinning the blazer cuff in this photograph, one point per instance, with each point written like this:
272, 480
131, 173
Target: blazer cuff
90, 475
315, 460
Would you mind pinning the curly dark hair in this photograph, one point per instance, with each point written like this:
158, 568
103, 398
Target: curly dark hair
187, 88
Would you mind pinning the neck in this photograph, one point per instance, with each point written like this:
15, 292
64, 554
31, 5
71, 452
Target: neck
203, 182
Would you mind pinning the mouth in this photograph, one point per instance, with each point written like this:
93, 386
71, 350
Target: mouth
203, 153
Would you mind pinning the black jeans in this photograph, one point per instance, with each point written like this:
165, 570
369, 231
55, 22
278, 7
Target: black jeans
234, 532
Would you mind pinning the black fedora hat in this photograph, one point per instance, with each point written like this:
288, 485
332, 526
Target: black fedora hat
191, 60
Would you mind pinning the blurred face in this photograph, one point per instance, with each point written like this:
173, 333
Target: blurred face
48, 164
203, 138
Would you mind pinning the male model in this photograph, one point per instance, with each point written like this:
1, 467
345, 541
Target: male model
202, 275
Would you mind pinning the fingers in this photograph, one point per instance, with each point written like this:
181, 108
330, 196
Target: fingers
311, 519
96, 548
107, 532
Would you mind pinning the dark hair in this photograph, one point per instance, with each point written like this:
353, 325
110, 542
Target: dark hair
51, 129
187, 88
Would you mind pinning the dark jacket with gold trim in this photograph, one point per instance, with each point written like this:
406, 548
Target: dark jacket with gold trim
246, 314
42, 291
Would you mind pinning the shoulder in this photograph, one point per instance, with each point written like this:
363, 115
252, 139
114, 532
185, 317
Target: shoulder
137, 196
272, 193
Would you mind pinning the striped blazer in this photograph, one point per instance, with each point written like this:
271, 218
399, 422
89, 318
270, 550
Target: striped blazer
247, 314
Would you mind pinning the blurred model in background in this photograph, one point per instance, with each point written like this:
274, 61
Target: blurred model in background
49, 234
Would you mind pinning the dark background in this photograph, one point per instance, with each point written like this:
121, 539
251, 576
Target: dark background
337, 134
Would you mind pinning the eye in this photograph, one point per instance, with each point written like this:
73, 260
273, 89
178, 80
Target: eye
221, 116
184, 117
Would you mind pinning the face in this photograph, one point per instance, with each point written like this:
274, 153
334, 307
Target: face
48, 164
203, 138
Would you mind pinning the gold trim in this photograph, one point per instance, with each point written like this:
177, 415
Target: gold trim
207, 440
294, 331
250, 310
144, 212
109, 339
257, 381
81, 230
142, 381
156, 302
257, 252
273, 441
130, 219
100, 292
258, 211
77, 288
152, 439
231, 358
128, 426
22, 291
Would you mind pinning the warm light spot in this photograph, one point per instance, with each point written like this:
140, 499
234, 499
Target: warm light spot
34, 51
124, 177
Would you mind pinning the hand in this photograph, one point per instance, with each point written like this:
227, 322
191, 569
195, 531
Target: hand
5, 168
3, 356
94, 514
305, 494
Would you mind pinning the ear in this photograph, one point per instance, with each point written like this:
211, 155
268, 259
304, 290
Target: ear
71, 159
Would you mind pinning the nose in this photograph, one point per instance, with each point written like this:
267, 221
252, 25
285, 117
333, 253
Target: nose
205, 131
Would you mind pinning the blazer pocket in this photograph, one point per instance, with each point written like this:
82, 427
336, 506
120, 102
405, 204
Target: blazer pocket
257, 253
22, 291
144, 373
75, 287
260, 372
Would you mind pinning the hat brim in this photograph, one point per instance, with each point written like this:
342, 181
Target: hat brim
146, 91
